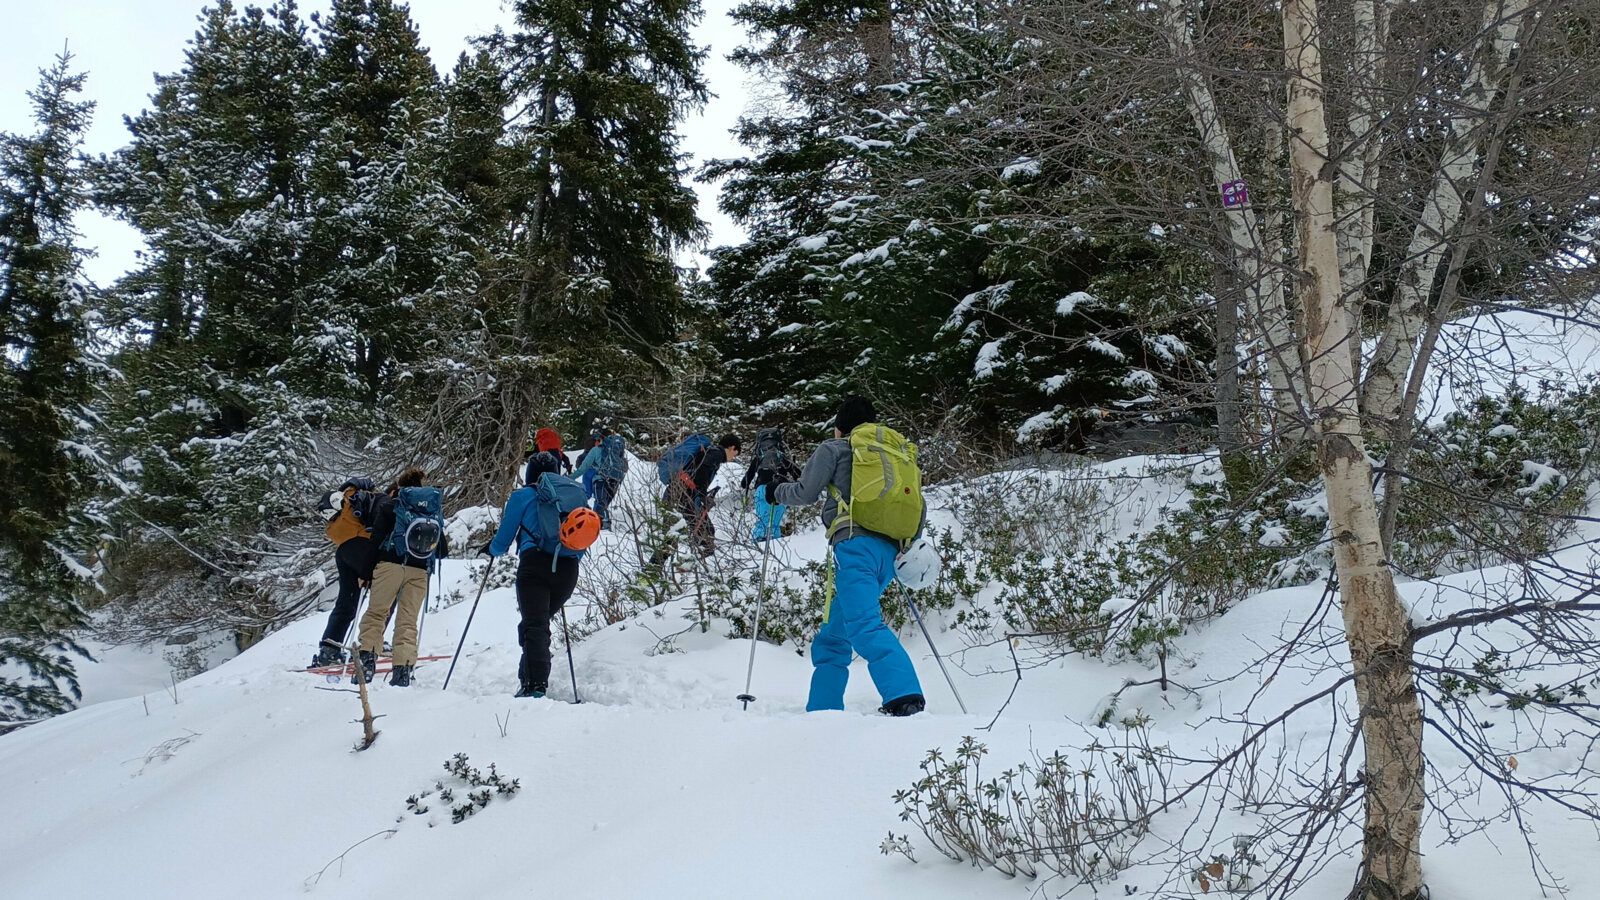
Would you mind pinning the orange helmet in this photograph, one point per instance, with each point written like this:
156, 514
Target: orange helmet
580, 529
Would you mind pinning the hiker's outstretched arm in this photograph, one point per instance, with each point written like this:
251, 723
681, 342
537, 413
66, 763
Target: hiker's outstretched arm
510, 521
814, 478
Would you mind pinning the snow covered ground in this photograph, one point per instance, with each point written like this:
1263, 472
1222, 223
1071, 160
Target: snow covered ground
242, 782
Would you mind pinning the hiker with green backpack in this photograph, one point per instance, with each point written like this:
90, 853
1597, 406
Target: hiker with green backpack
411, 519
871, 490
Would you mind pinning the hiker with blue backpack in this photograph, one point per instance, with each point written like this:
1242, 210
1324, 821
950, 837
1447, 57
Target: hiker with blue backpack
687, 472
871, 490
410, 517
602, 468
549, 520
586, 477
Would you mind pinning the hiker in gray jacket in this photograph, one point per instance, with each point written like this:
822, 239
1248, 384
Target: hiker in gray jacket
863, 567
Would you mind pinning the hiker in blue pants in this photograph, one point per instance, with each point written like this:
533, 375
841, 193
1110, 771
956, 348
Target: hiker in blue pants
863, 567
771, 461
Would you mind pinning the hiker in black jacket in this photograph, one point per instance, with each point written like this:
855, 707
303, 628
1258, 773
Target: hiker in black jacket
769, 462
692, 495
348, 510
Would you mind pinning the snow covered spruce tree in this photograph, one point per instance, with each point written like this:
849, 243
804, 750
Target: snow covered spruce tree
392, 254
885, 251
44, 384
303, 250
584, 286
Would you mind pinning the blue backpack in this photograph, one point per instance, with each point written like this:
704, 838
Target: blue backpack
673, 461
553, 497
418, 523
613, 465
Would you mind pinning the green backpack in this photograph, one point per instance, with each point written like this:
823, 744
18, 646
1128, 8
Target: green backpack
885, 485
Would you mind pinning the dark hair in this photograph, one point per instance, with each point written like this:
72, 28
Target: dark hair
413, 476
730, 440
854, 410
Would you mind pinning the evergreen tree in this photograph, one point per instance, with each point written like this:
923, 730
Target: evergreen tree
389, 233
895, 242
597, 88
583, 285
44, 384
307, 254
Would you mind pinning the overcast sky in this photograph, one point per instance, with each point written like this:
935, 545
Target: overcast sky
122, 44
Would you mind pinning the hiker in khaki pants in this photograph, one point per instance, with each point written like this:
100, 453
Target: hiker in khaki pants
390, 582
398, 575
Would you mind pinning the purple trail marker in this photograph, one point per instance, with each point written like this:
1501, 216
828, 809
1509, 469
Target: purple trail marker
1235, 194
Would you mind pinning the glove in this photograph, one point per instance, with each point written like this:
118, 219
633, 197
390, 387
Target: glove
765, 477
770, 491
485, 552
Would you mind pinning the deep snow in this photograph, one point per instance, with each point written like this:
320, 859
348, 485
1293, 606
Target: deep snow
658, 785
240, 782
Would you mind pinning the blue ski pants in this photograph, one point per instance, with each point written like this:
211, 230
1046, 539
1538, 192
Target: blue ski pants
769, 519
863, 568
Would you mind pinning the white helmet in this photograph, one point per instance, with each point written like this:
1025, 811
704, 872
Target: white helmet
918, 566
331, 505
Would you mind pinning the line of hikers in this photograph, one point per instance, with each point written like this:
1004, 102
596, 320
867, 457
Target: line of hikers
866, 477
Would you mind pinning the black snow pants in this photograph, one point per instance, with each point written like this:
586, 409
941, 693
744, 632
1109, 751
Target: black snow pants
351, 554
541, 592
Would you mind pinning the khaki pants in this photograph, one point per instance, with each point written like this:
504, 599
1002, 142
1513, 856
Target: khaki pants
391, 581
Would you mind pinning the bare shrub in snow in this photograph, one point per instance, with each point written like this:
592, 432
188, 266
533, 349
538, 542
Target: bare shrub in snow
1058, 815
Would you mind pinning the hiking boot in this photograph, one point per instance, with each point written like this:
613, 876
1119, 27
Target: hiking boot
369, 666
530, 689
909, 705
401, 676
327, 655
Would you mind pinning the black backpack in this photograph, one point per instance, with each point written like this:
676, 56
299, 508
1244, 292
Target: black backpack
771, 453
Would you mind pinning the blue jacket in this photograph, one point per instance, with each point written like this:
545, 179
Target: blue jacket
519, 505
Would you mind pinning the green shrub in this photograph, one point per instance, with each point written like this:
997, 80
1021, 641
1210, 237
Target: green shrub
1494, 483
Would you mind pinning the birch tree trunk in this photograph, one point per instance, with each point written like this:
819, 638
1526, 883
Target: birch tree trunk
1377, 629
1441, 212
1255, 251
1358, 170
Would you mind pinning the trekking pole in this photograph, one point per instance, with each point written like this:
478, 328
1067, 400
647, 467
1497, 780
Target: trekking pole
948, 680
470, 613
572, 670
755, 632
361, 606
427, 598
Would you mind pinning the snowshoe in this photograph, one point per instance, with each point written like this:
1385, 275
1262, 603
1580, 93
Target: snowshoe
327, 655
909, 705
531, 690
401, 676
369, 666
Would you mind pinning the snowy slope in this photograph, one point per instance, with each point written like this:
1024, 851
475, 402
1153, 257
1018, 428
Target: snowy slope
658, 786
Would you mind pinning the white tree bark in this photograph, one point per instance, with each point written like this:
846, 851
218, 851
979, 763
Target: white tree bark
1442, 210
1255, 251
1358, 169
1377, 629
